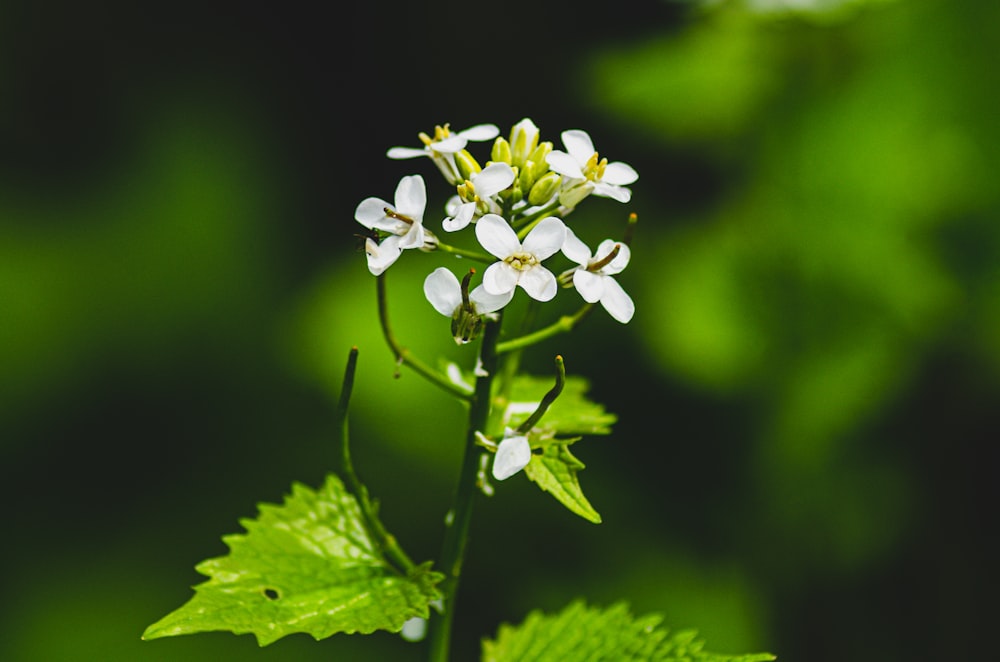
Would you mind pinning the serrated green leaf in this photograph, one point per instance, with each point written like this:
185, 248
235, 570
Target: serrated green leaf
554, 471
571, 413
580, 632
308, 566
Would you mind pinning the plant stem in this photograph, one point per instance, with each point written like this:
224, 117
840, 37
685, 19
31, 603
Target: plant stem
385, 541
405, 357
563, 324
457, 531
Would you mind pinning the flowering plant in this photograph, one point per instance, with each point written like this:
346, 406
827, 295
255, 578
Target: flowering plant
323, 562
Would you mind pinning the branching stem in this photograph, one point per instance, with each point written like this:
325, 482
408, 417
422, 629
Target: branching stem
405, 357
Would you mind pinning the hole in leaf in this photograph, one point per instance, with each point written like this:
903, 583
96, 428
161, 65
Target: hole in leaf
271, 594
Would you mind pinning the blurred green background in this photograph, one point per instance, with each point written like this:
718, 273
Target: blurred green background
808, 394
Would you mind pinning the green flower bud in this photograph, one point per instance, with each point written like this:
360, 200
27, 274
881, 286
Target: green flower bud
501, 151
544, 189
523, 140
467, 164
571, 197
540, 164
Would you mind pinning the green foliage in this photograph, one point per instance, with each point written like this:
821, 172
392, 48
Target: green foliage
579, 632
555, 469
307, 566
555, 472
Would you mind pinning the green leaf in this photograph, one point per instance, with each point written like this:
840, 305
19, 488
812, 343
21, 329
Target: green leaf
305, 566
555, 472
579, 632
571, 414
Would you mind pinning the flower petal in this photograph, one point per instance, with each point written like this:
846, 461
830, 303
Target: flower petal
575, 249
546, 238
488, 303
492, 179
449, 145
496, 236
406, 152
513, 454
578, 144
620, 174
412, 237
463, 215
371, 211
443, 290
589, 285
382, 256
539, 283
411, 197
619, 193
564, 164
480, 132
617, 301
500, 278
621, 260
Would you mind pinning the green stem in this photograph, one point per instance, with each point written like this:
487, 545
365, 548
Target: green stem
405, 357
523, 225
385, 541
461, 252
563, 324
547, 400
457, 531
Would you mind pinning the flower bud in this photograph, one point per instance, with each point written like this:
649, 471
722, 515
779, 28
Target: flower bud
501, 151
544, 189
467, 164
574, 195
523, 140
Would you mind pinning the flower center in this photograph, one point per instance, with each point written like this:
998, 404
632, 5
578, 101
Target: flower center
521, 261
440, 133
594, 168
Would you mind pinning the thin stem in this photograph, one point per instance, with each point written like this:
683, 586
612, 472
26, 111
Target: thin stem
462, 252
457, 531
563, 324
547, 400
384, 540
405, 357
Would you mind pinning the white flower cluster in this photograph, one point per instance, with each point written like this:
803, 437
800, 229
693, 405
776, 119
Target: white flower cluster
516, 203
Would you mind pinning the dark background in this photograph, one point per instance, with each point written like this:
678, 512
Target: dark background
808, 394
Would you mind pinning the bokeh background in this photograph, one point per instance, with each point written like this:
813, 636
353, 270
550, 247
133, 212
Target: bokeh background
808, 394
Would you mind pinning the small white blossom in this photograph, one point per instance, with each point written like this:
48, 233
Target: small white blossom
441, 148
402, 220
593, 278
520, 264
442, 289
513, 454
586, 173
481, 188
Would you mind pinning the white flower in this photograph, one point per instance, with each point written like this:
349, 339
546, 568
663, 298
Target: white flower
481, 188
520, 264
593, 278
403, 221
581, 167
513, 454
442, 147
443, 290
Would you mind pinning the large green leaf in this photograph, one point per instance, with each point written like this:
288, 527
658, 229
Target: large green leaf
555, 472
305, 566
579, 632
